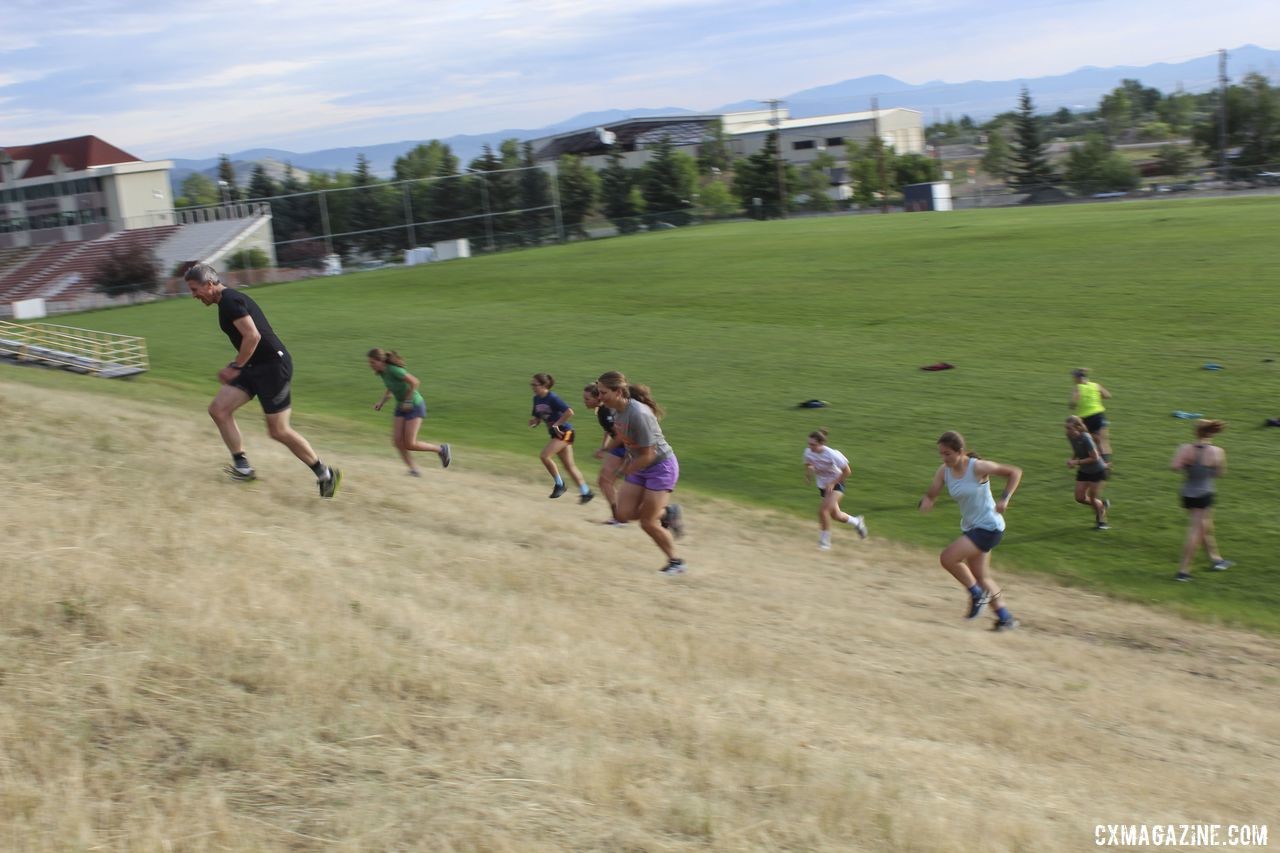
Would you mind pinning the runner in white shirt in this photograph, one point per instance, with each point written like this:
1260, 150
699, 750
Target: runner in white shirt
830, 469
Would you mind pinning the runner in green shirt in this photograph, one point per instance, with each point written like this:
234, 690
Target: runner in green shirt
411, 408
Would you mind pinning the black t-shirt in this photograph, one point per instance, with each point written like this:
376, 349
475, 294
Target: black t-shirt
605, 416
231, 307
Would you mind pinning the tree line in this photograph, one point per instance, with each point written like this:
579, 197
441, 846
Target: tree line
1187, 125
502, 199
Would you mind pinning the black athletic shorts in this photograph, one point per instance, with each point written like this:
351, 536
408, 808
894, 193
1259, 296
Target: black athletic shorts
1095, 422
270, 382
1083, 476
1201, 502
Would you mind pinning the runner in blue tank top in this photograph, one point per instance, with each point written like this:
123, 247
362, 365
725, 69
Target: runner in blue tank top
968, 559
555, 413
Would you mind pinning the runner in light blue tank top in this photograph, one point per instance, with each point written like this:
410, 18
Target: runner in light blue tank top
977, 506
968, 559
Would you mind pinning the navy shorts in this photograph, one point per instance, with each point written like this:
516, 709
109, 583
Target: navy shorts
985, 539
1083, 476
839, 488
418, 411
270, 382
1095, 422
620, 451
1200, 502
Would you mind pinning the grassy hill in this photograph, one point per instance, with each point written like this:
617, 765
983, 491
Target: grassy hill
733, 325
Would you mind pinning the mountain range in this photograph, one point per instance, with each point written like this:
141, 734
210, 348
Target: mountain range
979, 99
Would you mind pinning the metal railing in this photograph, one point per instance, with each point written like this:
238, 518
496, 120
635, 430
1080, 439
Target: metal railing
103, 354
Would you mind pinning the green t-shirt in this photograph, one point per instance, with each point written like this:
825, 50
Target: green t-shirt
393, 378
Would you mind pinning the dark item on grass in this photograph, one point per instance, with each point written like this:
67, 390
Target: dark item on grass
1271, 422
942, 365
813, 404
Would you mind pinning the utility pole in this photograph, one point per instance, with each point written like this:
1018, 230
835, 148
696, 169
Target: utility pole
1222, 117
884, 184
782, 172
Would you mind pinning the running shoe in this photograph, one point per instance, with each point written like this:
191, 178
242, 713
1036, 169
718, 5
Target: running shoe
860, 525
414, 472
824, 546
673, 520
1222, 565
241, 473
557, 490
1183, 577
674, 567
976, 605
1106, 503
329, 485
586, 499
1005, 624
1102, 525
445, 456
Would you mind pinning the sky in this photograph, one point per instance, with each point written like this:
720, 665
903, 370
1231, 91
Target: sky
177, 78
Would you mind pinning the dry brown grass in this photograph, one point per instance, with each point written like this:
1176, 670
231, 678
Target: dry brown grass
459, 664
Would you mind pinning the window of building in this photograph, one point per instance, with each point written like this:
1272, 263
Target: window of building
802, 144
833, 141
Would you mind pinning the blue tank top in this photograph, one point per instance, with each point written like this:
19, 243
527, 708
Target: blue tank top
977, 506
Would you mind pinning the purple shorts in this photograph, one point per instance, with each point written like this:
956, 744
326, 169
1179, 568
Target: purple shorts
658, 477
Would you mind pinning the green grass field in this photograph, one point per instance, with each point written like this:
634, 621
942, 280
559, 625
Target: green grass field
733, 325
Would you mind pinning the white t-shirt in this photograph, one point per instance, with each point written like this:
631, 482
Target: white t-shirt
828, 464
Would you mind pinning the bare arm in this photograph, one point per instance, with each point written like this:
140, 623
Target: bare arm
1106, 395
642, 458
249, 339
935, 488
1075, 397
1011, 473
414, 385
1179, 458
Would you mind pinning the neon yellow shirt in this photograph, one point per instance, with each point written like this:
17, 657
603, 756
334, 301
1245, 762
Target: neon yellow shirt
1090, 402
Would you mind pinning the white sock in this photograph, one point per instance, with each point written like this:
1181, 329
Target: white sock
853, 520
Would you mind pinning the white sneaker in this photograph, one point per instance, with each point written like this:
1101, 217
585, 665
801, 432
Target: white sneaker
824, 546
860, 525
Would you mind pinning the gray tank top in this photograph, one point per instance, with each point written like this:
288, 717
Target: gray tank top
1200, 476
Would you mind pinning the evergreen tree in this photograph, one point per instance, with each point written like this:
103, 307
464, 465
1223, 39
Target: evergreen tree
367, 212
756, 177
229, 190
535, 197
260, 184
579, 189
996, 159
667, 183
713, 151
620, 206
446, 200
1030, 155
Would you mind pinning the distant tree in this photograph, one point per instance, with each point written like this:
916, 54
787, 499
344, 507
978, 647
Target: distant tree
915, 169
1173, 159
1117, 111
252, 258
713, 151
579, 188
756, 177
1063, 116
997, 159
446, 200
1178, 111
227, 180
871, 183
716, 199
295, 220
197, 191
368, 212
126, 272
621, 207
814, 183
1094, 167
485, 196
667, 183
966, 124
1030, 156
535, 197
421, 161
1253, 123
260, 184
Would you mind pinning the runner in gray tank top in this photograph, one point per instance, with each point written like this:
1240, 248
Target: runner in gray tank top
1201, 463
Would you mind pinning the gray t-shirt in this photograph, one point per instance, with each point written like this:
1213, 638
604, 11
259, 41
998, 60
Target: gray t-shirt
638, 427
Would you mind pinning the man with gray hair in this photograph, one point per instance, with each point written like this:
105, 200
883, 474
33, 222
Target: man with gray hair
262, 368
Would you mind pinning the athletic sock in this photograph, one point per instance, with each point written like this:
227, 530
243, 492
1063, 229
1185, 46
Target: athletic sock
825, 536
852, 520
583, 488
1004, 614
320, 470
975, 591
559, 482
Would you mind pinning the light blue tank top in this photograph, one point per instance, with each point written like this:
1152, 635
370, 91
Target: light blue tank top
977, 506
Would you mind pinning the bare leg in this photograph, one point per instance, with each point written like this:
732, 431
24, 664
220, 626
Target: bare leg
1210, 543
648, 506
223, 411
548, 456
278, 428
410, 433
1195, 535
954, 558
607, 481
566, 456
397, 439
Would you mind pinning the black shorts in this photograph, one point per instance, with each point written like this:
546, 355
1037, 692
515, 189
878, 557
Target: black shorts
1091, 476
839, 488
1200, 502
565, 435
1095, 422
270, 382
